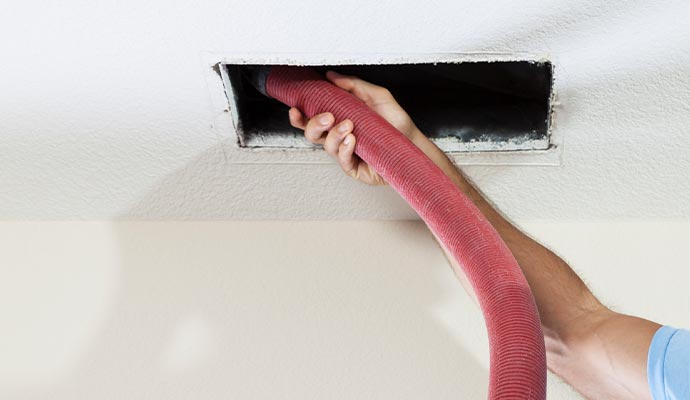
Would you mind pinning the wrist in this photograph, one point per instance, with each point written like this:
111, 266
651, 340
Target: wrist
416, 136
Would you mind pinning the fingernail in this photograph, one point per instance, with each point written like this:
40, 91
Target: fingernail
324, 119
347, 140
343, 128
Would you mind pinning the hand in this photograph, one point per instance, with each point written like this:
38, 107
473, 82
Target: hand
338, 140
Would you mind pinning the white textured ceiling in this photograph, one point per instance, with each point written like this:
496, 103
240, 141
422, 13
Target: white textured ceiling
107, 108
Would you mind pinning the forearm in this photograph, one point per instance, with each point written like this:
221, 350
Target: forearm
548, 275
601, 353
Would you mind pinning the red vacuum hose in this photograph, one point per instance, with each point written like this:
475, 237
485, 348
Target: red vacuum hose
516, 341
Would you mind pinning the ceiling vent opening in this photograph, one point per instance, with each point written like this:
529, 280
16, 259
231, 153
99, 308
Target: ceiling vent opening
462, 107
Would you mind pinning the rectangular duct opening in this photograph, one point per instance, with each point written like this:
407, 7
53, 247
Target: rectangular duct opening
465, 106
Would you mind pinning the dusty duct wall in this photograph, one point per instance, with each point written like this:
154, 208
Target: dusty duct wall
461, 106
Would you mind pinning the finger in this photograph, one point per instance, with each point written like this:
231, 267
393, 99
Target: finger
318, 126
336, 136
363, 90
346, 156
296, 118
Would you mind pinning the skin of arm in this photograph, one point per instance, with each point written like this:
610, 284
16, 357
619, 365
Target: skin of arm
601, 353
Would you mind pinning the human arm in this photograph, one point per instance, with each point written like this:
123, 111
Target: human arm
603, 354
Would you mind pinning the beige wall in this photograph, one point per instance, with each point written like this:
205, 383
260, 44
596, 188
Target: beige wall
281, 310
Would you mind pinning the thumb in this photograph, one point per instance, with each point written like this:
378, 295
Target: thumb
345, 82
363, 90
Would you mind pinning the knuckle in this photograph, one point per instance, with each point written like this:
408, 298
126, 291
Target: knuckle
313, 135
344, 127
383, 92
313, 131
309, 131
329, 146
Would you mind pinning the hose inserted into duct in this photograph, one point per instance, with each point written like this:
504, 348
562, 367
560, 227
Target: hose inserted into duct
516, 341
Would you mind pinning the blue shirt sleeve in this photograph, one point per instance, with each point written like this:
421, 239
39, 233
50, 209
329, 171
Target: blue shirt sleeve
668, 364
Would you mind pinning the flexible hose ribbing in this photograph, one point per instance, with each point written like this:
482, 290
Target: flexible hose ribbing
516, 341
